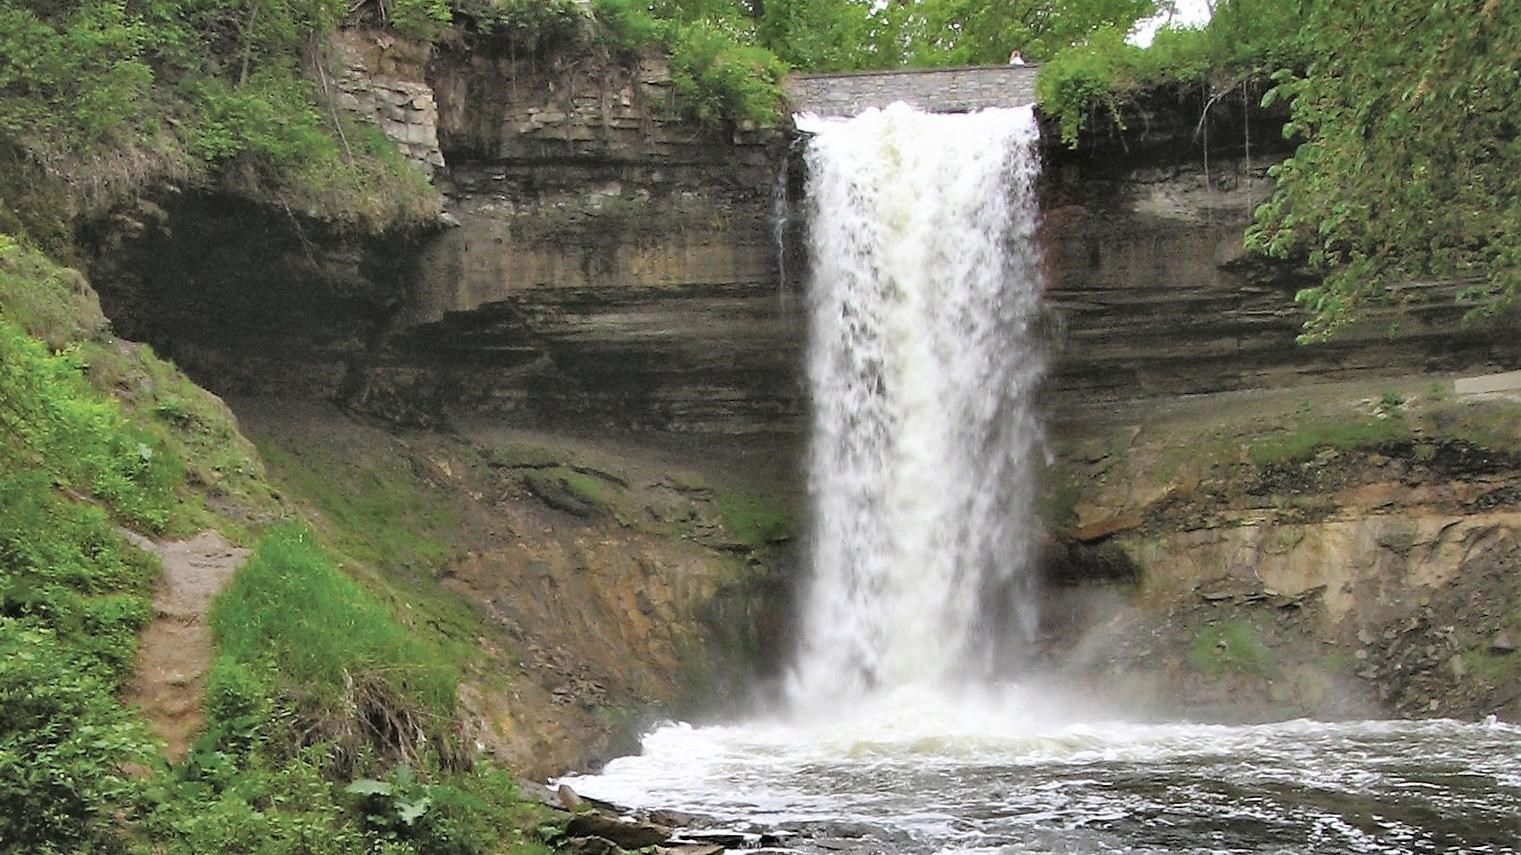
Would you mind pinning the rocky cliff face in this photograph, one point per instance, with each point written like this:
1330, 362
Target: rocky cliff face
1345, 549
611, 263
1245, 527
1154, 295
602, 263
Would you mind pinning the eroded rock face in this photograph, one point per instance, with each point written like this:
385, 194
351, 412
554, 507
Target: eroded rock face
1328, 552
612, 263
602, 261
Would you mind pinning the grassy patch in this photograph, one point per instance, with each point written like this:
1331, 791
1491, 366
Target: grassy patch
567, 490
1233, 646
380, 513
112, 419
754, 520
1342, 434
1494, 424
292, 609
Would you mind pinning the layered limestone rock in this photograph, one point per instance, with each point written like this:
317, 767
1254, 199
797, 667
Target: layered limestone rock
1153, 293
612, 263
1349, 549
379, 78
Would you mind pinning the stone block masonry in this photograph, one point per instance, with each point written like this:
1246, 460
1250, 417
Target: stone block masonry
941, 90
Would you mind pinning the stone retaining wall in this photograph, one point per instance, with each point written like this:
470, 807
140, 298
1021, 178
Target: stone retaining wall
941, 90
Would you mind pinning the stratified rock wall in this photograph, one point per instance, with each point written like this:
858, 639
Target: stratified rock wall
1154, 295
611, 264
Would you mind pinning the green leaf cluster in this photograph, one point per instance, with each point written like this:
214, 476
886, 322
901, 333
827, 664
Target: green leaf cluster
1409, 167
718, 71
962, 32
1245, 42
64, 743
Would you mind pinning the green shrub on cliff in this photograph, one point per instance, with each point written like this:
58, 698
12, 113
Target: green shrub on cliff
719, 74
718, 79
1409, 167
103, 95
1244, 42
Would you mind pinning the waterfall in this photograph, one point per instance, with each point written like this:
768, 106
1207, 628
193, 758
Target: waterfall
923, 361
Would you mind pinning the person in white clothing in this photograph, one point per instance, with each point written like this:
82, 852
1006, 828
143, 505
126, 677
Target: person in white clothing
1016, 59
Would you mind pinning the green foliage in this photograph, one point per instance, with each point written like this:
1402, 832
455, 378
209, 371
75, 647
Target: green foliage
108, 93
627, 27
828, 35
1410, 162
1244, 41
73, 596
64, 741
717, 79
53, 419
419, 19
157, 407
961, 32
292, 611
78, 72
718, 73
62, 566
249, 801
1233, 646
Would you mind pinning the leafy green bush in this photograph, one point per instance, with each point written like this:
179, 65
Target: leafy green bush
717, 79
64, 743
717, 75
627, 27
1409, 166
1244, 41
478, 811
78, 74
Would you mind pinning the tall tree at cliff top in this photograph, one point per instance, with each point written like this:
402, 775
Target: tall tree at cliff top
958, 32
833, 35
1411, 165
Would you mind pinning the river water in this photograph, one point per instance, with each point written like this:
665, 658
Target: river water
1016, 771
910, 721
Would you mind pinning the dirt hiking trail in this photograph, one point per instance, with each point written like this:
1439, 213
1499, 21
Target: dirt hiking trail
174, 652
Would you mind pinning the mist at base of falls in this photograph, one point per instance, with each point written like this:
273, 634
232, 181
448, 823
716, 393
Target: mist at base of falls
900, 730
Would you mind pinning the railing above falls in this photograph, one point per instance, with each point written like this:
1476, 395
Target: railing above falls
939, 90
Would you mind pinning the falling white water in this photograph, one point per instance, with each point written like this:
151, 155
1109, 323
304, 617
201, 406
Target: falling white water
924, 292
